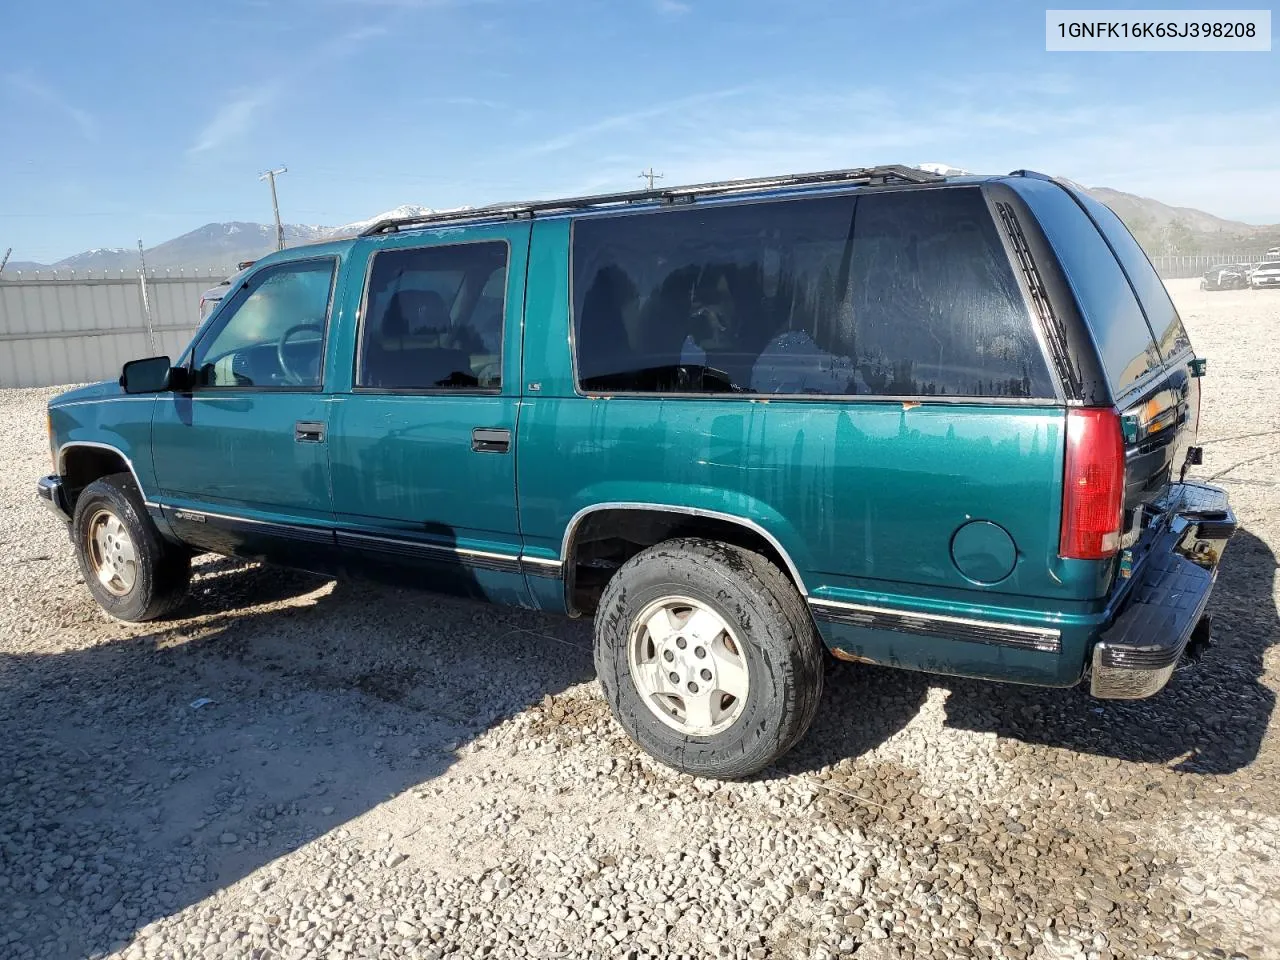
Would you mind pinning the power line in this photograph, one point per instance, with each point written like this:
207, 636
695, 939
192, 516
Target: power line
275, 205
650, 176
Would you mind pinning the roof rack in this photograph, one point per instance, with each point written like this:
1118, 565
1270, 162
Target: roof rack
516, 211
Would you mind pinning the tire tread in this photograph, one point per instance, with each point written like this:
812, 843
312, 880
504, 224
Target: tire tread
774, 598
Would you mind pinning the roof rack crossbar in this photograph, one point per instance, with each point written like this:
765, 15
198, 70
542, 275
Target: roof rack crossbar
514, 211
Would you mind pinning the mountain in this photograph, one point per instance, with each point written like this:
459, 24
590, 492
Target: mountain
216, 245
225, 244
942, 169
16, 265
1159, 227
1164, 229
351, 229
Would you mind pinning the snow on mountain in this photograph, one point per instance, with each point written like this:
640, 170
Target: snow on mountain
222, 245
351, 229
942, 169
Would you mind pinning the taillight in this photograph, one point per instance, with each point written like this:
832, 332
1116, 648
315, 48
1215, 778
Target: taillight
1093, 485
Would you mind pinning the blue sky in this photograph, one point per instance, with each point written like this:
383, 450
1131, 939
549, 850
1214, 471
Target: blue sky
136, 119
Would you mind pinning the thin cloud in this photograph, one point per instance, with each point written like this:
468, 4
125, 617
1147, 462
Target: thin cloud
411, 4
236, 118
28, 85
621, 121
468, 102
233, 120
672, 8
1139, 148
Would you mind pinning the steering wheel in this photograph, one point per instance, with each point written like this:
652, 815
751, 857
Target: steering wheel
290, 374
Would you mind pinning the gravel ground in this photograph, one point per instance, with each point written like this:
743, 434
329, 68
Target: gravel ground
380, 774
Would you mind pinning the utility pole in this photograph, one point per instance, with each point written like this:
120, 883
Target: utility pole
650, 176
146, 299
5, 259
271, 175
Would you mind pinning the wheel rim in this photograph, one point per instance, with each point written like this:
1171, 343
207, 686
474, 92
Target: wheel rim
687, 664
111, 553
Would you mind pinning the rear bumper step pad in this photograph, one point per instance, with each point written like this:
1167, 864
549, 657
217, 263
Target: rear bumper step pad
1137, 654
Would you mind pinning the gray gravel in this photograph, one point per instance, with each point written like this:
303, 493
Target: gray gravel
381, 774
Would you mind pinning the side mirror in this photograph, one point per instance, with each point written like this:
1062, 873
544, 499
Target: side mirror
152, 375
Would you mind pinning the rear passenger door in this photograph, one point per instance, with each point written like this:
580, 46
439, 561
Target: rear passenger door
421, 443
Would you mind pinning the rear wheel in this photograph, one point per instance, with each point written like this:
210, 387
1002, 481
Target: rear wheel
132, 571
708, 657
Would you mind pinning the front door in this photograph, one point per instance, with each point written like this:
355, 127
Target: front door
241, 457
422, 445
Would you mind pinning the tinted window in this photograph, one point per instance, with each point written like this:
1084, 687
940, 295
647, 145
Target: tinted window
1115, 320
271, 333
912, 296
433, 318
1161, 313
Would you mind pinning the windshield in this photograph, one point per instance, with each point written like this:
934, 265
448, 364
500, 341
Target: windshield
1270, 265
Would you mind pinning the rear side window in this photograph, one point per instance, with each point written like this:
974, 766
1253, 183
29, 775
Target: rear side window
1161, 313
904, 294
433, 318
1115, 319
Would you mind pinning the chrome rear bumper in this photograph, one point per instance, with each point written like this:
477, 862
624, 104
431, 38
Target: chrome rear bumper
1164, 609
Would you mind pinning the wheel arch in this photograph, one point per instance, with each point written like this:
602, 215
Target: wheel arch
81, 462
627, 527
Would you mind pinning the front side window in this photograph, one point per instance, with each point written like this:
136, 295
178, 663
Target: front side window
906, 294
433, 318
271, 333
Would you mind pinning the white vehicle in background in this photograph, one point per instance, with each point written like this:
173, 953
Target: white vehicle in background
1267, 274
213, 296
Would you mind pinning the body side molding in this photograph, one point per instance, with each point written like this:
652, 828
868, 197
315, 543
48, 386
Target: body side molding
1041, 639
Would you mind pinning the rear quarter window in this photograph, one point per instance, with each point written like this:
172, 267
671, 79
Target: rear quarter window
889, 294
1162, 315
1115, 319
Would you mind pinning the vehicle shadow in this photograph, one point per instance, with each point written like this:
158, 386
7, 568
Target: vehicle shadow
862, 706
139, 775
1210, 719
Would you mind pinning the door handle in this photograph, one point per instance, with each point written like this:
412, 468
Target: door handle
490, 440
308, 431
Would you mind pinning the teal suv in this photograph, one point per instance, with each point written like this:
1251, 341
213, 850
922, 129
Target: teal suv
935, 423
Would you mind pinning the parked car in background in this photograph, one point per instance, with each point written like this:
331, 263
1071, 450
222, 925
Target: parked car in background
213, 296
1267, 275
1227, 276
735, 423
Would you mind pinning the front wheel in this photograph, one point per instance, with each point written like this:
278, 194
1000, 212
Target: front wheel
708, 657
133, 572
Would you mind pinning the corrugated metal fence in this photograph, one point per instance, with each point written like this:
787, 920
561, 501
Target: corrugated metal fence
61, 328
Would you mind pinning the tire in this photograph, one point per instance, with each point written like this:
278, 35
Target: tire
133, 572
769, 629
